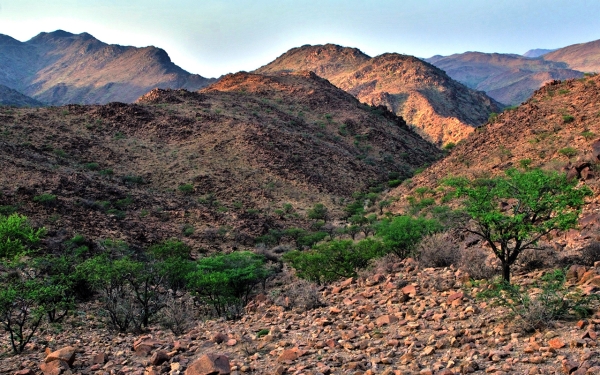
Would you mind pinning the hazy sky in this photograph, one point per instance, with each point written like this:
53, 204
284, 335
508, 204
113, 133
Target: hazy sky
214, 37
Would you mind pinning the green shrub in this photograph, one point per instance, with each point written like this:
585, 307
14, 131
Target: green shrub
318, 212
17, 236
394, 183
45, 199
106, 172
568, 152
227, 281
588, 134
92, 166
186, 188
333, 260
449, 146
130, 179
402, 234
311, 239
568, 119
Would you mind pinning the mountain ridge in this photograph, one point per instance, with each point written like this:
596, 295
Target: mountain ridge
62, 68
440, 108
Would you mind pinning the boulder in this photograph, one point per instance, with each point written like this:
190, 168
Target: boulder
66, 354
210, 364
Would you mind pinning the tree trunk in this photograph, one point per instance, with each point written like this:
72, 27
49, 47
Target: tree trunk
506, 271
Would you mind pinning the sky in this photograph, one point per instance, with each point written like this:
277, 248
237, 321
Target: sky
215, 37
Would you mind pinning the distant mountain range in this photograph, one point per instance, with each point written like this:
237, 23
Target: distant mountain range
440, 108
60, 68
512, 79
10, 97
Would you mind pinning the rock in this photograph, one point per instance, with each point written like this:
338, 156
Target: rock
159, 357
386, 320
210, 364
455, 296
56, 367
66, 354
410, 290
569, 366
288, 355
556, 343
219, 338
99, 358
596, 150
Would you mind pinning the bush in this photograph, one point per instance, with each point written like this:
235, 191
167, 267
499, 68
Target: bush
474, 261
186, 188
568, 119
403, 233
438, 250
45, 199
299, 295
318, 212
17, 236
550, 302
568, 152
333, 260
227, 281
176, 315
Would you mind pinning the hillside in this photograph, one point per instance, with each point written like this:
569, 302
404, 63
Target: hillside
558, 129
440, 109
584, 57
183, 164
10, 97
510, 79
63, 68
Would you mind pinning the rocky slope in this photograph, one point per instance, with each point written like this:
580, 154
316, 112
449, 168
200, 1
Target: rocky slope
60, 68
10, 97
183, 164
558, 129
403, 320
440, 108
584, 57
510, 79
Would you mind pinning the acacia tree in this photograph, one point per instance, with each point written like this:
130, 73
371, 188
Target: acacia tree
511, 213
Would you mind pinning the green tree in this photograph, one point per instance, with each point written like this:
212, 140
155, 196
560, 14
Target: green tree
318, 212
513, 212
402, 233
227, 281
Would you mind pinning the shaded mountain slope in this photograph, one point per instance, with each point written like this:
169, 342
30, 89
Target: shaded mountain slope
60, 68
180, 162
537, 52
510, 79
557, 129
10, 97
440, 108
584, 57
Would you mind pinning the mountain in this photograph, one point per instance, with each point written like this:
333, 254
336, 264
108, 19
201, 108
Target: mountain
584, 57
10, 97
186, 164
556, 129
60, 68
441, 109
510, 79
537, 52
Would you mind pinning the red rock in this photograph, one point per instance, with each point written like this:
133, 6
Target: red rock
386, 320
587, 276
66, 354
99, 358
556, 343
596, 150
410, 290
334, 310
581, 324
231, 342
24, 372
455, 296
55, 367
336, 290
210, 364
575, 272
347, 282
159, 357
288, 355
595, 281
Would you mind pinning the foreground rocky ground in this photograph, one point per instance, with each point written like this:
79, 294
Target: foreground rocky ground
407, 320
